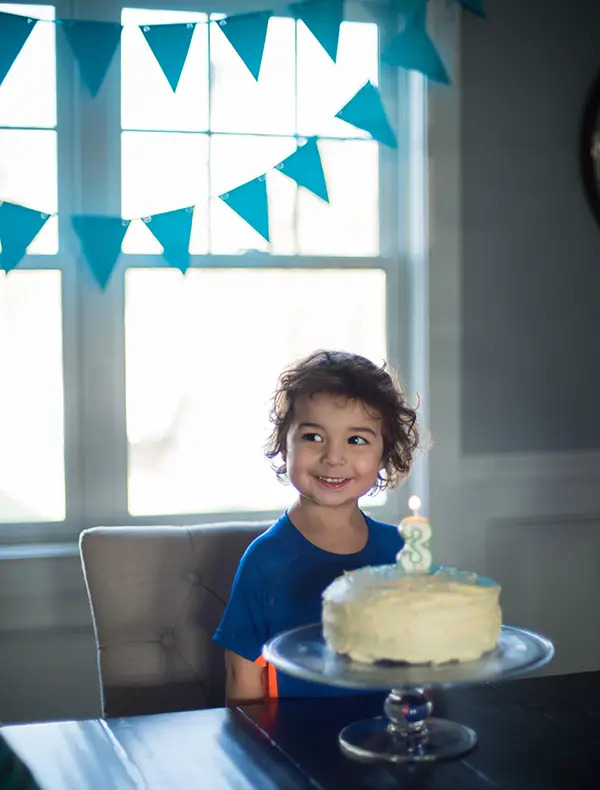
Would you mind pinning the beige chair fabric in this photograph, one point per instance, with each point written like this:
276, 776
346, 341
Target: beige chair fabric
157, 594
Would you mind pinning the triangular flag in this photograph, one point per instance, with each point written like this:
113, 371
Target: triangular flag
247, 33
250, 202
473, 5
170, 45
305, 168
382, 9
101, 238
172, 229
14, 32
93, 45
18, 228
408, 8
413, 49
365, 111
323, 18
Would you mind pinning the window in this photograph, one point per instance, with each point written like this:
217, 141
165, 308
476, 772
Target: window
166, 377
203, 355
222, 127
28, 168
32, 479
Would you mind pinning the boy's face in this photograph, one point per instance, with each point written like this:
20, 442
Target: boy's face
334, 449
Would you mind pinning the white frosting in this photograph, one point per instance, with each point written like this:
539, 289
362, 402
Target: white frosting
381, 612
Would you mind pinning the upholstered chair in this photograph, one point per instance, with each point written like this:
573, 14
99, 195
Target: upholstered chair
157, 594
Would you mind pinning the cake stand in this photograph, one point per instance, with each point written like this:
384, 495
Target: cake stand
406, 733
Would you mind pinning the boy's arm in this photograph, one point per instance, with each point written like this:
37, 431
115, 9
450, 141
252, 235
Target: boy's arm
244, 680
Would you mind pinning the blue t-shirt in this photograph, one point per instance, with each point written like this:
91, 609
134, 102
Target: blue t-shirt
278, 585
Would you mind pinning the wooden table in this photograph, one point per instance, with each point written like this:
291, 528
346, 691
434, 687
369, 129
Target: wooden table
535, 734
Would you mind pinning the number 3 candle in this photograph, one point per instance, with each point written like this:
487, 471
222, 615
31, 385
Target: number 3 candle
415, 557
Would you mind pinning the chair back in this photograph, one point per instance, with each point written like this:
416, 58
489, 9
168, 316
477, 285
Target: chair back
157, 594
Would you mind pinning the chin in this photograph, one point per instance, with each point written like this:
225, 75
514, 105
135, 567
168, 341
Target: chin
336, 498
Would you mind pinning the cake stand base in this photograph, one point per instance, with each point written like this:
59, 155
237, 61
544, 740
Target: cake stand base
407, 732
377, 739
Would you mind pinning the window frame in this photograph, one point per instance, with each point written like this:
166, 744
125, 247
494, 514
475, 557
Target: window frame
89, 174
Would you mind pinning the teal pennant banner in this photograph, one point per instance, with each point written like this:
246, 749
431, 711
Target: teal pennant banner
247, 34
14, 32
475, 6
409, 8
304, 167
413, 49
100, 238
323, 18
172, 229
250, 202
170, 45
93, 45
381, 9
365, 111
18, 228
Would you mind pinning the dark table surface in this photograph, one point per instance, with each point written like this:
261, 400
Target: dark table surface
535, 734
210, 749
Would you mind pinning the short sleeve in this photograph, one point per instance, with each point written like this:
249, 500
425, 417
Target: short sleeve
243, 627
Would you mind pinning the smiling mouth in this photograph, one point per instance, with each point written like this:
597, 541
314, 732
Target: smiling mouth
332, 482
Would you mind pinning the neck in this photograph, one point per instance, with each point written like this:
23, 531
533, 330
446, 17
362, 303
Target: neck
310, 517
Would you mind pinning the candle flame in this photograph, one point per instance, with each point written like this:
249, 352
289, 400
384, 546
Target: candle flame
414, 503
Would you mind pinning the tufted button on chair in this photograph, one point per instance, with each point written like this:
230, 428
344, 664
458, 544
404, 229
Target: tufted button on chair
156, 595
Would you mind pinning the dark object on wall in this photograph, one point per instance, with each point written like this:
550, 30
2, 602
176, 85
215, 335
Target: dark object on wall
589, 148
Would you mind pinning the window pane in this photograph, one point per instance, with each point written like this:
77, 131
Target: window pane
202, 357
147, 100
349, 224
28, 176
161, 172
28, 92
235, 160
32, 484
242, 104
324, 86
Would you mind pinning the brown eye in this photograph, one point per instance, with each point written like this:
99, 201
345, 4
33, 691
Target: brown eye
312, 437
357, 440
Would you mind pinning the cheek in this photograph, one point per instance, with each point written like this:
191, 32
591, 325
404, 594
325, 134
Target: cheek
373, 462
294, 456
298, 467
302, 458
288, 449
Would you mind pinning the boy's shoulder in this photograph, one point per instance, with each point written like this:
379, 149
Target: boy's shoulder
385, 534
381, 526
270, 545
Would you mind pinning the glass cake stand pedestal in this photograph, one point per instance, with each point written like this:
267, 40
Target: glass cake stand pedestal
406, 733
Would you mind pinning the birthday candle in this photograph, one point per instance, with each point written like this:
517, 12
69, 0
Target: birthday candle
416, 531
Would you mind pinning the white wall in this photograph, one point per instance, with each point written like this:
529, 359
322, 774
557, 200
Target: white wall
47, 649
514, 318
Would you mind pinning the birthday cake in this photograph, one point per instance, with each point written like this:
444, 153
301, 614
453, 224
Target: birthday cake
384, 613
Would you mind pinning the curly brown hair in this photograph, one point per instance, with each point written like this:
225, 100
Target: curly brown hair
357, 378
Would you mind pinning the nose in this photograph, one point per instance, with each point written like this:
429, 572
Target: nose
333, 454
